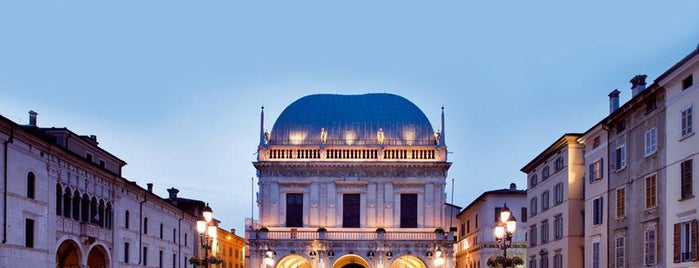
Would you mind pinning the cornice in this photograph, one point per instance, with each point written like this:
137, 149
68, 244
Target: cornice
352, 169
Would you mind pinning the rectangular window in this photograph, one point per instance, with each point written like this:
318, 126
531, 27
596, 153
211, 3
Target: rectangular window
650, 106
595, 254
160, 259
558, 260
532, 235
102, 163
29, 233
687, 82
649, 245
558, 227
523, 214
532, 205
596, 171
596, 142
497, 214
126, 219
126, 252
620, 250
161, 231
558, 193
174, 260
88, 156
465, 228
532, 262
545, 200
294, 210
545, 173
686, 179
408, 210
620, 157
651, 141
544, 261
687, 122
544, 232
350, 211
145, 256
558, 164
685, 242
533, 180
650, 192
620, 203
598, 208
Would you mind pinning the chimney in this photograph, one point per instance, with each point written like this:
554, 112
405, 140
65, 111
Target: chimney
173, 193
150, 187
233, 231
513, 186
614, 100
638, 84
32, 118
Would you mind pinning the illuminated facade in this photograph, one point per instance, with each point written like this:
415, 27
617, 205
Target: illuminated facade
65, 204
556, 205
351, 181
476, 225
230, 248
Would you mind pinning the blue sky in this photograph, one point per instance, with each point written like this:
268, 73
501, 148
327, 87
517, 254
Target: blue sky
175, 87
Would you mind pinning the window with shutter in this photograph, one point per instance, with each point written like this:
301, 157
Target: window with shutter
686, 179
676, 242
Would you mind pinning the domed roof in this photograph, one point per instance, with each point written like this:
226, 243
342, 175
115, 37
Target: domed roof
352, 120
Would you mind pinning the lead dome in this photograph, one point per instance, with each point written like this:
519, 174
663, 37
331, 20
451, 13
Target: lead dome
352, 120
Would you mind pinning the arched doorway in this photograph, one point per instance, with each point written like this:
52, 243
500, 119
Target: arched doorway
294, 261
97, 258
68, 255
351, 261
408, 261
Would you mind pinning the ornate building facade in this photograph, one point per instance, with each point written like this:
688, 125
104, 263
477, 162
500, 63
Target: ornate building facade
351, 181
65, 204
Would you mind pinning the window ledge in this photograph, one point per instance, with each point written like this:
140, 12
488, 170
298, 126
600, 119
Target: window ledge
652, 153
686, 198
686, 136
619, 169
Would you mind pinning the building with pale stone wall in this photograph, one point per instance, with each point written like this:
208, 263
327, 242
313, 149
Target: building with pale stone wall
556, 205
477, 222
351, 181
65, 204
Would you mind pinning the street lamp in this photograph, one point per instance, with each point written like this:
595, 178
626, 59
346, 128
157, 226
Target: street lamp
504, 231
207, 235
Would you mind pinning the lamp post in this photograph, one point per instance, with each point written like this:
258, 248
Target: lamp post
207, 235
505, 229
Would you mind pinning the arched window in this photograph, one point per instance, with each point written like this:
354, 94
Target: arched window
67, 203
59, 199
100, 212
126, 219
145, 225
94, 213
76, 205
31, 181
108, 214
161, 231
85, 209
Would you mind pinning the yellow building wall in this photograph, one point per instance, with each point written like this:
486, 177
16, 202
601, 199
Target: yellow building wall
230, 248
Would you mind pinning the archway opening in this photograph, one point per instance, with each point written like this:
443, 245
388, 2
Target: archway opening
351, 261
68, 255
97, 258
294, 261
408, 261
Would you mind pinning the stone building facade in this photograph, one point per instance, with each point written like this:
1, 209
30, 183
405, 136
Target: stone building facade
65, 204
351, 181
477, 222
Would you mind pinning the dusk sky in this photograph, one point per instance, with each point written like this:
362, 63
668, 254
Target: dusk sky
174, 88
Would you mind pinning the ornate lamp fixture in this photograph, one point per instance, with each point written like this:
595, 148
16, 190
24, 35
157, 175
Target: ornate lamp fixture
207, 235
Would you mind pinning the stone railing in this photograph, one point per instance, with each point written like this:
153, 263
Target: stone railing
83, 229
419, 234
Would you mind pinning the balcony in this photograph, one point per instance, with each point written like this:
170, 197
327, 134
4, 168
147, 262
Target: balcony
85, 230
354, 234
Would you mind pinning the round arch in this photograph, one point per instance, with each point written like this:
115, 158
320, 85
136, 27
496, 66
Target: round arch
68, 255
98, 257
351, 261
293, 261
408, 261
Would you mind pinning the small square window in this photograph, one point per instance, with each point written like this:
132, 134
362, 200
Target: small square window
621, 126
651, 105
